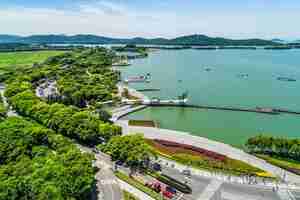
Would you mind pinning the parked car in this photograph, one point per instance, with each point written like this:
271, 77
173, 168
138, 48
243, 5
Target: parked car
168, 194
187, 172
119, 162
170, 189
156, 187
156, 167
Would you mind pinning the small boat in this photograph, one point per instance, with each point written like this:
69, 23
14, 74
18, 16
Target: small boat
138, 79
243, 75
286, 79
208, 69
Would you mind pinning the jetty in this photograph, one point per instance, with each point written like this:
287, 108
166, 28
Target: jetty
183, 104
270, 111
149, 90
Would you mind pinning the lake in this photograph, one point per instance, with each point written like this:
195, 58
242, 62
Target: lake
239, 78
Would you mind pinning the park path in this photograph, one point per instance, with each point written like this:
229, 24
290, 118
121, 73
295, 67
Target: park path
10, 112
186, 138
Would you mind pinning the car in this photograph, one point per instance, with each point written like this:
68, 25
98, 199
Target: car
156, 167
119, 162
168, 194
170, 189
187, 172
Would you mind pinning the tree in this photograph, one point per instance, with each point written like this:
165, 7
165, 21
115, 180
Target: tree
130, 149
37, 163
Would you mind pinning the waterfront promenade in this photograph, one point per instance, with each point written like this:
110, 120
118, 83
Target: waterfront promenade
186, 138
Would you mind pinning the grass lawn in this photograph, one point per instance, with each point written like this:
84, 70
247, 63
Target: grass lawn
15, 60
129, 196
288, 164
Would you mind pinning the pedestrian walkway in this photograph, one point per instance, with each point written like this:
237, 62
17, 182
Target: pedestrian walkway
284, 194
210, 190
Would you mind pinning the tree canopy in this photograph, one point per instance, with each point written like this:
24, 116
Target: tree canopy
287, 148
131, 149
36, 163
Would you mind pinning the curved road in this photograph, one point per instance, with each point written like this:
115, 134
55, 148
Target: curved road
107, 184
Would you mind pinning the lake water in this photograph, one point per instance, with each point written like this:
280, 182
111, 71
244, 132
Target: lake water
177, 71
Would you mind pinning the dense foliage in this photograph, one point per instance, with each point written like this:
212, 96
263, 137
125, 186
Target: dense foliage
286, 148
83, 77
86, 77
36, 163
67, 120
131, 149
2, 110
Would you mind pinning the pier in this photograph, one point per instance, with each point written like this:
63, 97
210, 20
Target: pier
183, 104
269, 111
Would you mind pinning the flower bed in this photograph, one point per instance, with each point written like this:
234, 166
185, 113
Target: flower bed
203, 159
144, 123
173, 147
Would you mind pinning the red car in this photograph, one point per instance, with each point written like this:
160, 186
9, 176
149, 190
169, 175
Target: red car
168, 194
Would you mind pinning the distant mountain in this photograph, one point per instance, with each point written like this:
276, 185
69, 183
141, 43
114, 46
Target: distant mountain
279, 41
94, 39
9, 38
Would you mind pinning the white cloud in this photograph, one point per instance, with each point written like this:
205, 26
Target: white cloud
108, 18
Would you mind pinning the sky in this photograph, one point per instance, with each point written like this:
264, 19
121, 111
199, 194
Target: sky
153, 18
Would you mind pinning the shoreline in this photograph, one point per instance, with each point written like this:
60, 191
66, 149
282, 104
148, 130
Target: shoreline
132, 92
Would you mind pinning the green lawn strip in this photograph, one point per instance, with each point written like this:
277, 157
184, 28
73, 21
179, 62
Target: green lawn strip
129, 196
3, 110
281, 162
138, 185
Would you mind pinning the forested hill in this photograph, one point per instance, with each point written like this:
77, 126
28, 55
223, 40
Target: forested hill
94, 39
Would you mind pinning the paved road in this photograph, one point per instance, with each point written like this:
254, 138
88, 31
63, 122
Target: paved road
241, 192
218, 190
10, 112
107, 184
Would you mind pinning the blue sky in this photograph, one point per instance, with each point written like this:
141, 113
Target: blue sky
152, 18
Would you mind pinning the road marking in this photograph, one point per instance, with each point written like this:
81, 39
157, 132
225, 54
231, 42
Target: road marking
210, 190
108, 182
180, 196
